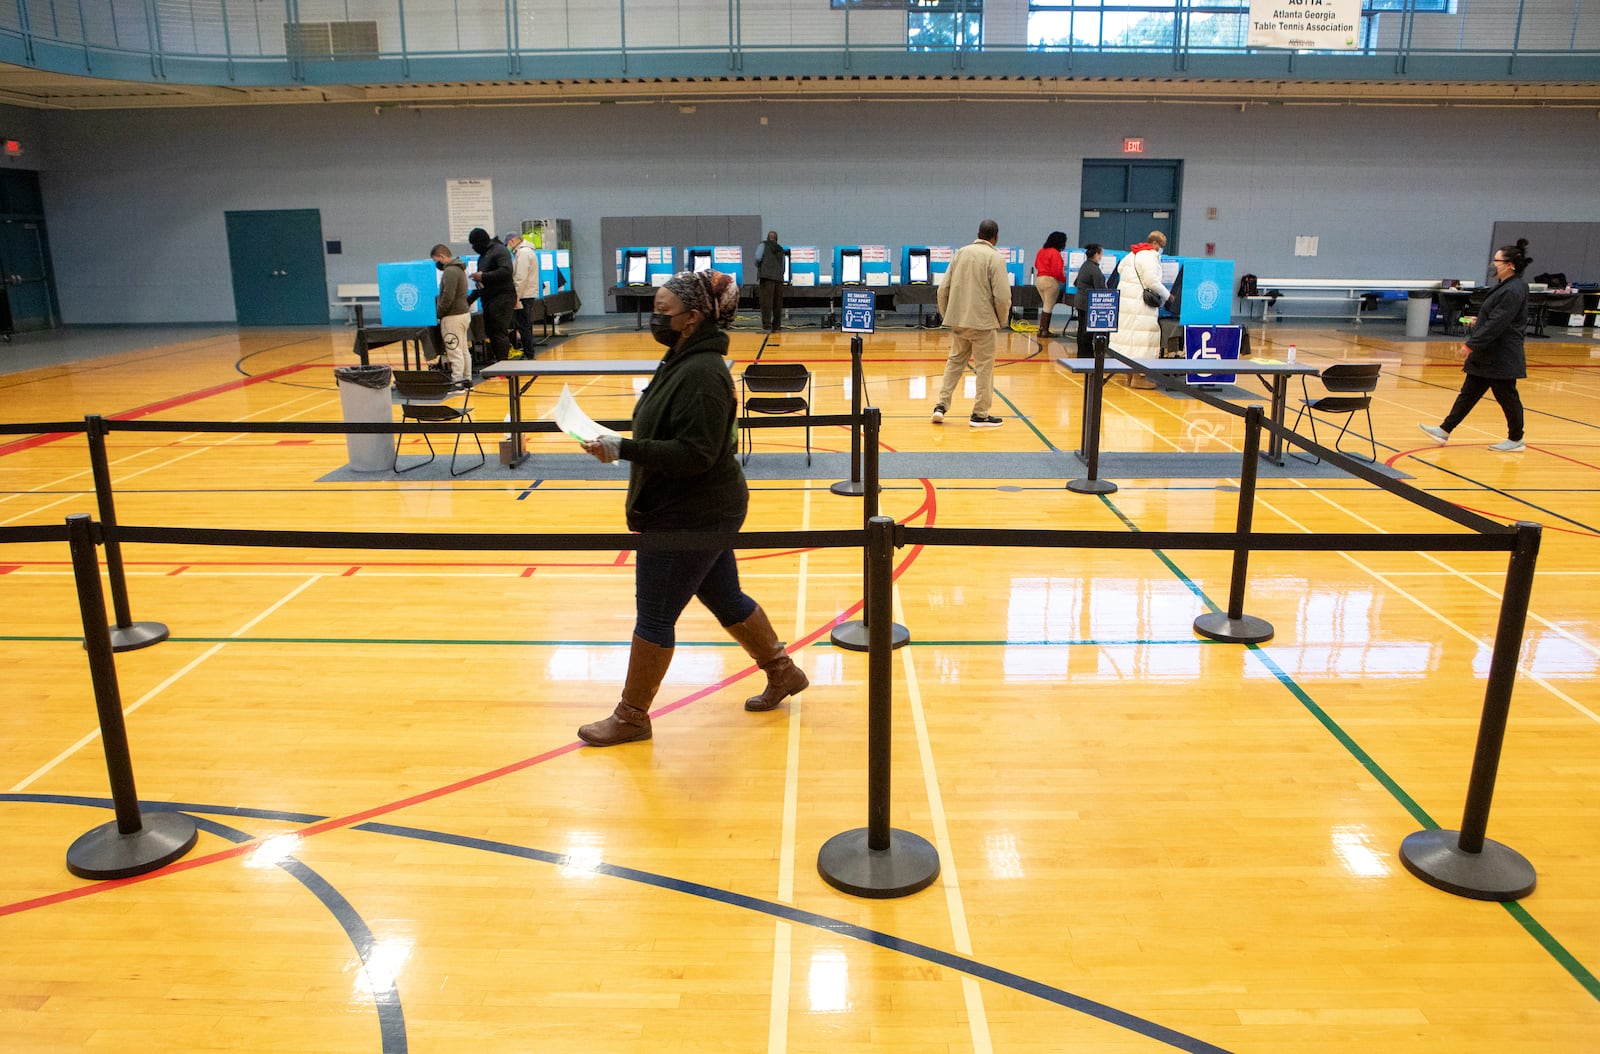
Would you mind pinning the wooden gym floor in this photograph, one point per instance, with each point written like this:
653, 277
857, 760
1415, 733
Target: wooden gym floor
1149, 841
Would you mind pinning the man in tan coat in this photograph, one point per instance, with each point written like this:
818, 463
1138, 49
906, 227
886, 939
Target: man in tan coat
975, 300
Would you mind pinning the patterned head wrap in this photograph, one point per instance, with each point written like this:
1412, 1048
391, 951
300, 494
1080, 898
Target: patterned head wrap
712, 293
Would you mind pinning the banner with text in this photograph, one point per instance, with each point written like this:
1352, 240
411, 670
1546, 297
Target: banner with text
1306, 25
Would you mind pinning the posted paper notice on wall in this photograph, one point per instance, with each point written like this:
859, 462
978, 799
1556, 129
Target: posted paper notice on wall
470, 203
1305, 25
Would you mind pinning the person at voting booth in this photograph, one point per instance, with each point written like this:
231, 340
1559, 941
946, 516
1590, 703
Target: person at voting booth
525, 276
1090, 276
684, 475
497, 289
769, 273
1049, 275
1138, 334
975, 300
455, 321
1492, 354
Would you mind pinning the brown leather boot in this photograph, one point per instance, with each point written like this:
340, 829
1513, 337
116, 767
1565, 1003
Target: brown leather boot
647, 665
756, 635
1044, 326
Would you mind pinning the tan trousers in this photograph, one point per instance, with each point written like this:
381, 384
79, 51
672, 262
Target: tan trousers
457, 333
976, 346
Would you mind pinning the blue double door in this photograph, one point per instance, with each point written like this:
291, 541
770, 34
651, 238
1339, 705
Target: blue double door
279, 275
1123, 201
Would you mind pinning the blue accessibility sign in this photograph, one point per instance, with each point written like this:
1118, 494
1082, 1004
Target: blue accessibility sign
1102, 311
859, 308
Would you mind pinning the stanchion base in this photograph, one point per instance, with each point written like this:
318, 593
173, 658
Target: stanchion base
136, 636
1091, 486
106, 852
850, 488
852, 635
1497, 873
909, 865
1246, 629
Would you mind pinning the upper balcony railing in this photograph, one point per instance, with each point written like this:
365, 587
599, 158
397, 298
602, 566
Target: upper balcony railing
296, 42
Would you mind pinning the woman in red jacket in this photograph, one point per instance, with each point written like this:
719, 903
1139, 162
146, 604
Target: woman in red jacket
1049, 275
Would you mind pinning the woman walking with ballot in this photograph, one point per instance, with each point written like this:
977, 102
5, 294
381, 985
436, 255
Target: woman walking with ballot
684, 475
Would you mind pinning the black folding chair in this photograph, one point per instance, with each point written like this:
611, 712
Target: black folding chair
1347, 388
774, 388
426, 396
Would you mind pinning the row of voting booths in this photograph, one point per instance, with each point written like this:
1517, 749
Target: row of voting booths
1204, 285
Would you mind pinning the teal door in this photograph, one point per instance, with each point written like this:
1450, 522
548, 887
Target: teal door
1123, 201
24, 265
279, 277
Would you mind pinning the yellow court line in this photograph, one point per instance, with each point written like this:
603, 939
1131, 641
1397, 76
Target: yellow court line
977, 1018
782, 948
183, 671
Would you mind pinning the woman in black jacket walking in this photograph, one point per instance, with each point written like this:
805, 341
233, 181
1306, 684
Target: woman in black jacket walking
1492, 354
684, 475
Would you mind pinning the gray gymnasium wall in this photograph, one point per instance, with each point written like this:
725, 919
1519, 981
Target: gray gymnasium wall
135, 200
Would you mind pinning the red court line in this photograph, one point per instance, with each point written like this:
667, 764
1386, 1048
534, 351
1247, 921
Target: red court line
165, 404
466, 783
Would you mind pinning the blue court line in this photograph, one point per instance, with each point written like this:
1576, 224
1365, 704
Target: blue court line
392, 1021
928, 953
391, 1016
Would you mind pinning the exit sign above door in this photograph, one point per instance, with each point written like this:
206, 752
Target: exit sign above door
1133, 146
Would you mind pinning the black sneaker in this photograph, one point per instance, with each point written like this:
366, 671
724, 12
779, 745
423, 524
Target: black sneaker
985, 422
938, 414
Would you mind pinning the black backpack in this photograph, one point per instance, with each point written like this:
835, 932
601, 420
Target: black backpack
1248, 287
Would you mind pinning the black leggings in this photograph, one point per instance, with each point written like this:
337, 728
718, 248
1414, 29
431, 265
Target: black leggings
1505, 393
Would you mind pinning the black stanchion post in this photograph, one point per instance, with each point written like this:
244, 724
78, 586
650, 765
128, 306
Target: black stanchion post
853, 635
877, 860
1093, 484
1233, 625
126, 634
1465, 862
852, 487
128, 845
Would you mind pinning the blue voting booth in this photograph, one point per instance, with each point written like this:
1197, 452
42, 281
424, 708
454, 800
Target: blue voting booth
729, 259
1204, 286
1218, 344
861, 265
555, 270
1075, 258
805, 265
406, 292
1014, 263
641, 265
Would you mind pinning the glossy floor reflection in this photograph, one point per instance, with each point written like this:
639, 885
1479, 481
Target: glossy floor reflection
1148, 840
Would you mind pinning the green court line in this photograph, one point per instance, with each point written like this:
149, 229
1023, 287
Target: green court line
1026, 420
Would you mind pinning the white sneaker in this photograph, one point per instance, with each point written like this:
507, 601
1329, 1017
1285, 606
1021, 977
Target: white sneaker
938, 414
1508, 446
1439, 435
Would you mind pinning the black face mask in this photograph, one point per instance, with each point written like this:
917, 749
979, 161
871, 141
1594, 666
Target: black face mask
439, 265
661, 329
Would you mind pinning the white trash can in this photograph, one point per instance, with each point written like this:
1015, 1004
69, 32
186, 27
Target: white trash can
1419, 310
364, 398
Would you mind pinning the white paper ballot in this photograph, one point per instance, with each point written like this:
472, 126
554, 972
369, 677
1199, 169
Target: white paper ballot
574, 421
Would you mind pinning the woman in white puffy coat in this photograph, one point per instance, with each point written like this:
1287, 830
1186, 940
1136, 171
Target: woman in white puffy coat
1138, 334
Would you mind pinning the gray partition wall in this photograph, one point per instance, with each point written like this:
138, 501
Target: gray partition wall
1572, 249
679, 232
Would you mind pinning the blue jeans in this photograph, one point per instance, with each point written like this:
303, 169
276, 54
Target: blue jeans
665, 579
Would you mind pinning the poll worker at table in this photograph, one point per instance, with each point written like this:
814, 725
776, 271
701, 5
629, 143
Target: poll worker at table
975, 300
1492, 355
1138, 334
1049, 275
1090, 276
684, 475
450, 306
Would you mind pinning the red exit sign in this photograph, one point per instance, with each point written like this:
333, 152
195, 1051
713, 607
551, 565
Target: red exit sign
1133, 146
